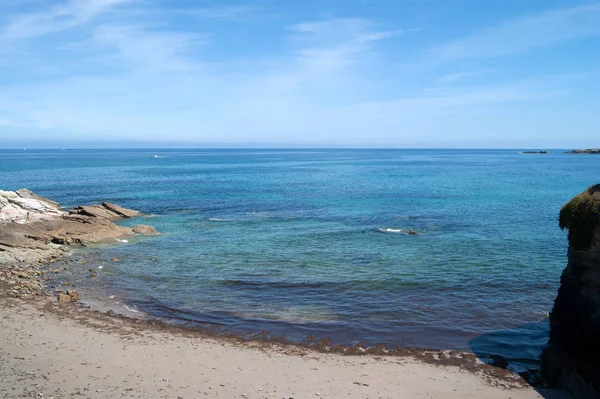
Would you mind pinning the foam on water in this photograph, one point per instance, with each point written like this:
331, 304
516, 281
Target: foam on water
392, 231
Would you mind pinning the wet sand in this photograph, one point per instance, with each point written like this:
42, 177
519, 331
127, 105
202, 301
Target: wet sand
53, 350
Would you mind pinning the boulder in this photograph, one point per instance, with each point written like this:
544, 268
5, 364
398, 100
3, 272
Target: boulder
97, 211
73, 294
145, 230
119, 210
572, 356
63, 298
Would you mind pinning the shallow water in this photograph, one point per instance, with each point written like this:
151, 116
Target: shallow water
316, 241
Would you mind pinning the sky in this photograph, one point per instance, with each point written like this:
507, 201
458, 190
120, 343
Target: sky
300, 73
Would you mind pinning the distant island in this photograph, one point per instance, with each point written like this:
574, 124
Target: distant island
586, 151
535, 152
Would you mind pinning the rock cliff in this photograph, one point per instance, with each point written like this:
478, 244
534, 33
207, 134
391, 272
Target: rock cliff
572, 357
33, 227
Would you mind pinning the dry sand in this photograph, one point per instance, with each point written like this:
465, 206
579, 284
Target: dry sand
46, 353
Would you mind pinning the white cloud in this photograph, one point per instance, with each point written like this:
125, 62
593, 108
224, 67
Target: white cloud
144, 48
333, 44
546, 29
58, 18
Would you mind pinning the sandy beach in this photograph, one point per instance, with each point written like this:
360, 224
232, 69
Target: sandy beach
53, 350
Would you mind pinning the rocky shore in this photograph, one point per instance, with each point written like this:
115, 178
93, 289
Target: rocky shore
572, 358
36, 233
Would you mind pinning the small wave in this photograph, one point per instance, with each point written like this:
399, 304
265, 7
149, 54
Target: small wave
392, 231
220, 220
122, 240
131, 309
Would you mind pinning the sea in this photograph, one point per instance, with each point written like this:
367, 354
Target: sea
320, 242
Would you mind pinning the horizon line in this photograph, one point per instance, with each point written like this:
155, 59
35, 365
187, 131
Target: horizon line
291, 148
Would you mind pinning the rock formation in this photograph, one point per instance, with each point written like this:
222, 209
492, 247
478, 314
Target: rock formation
585, 151
572, 357
33, 227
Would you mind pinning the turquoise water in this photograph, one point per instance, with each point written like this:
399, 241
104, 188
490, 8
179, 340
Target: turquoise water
299, 242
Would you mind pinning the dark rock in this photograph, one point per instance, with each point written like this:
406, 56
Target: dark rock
585, 151
58, 240
499, 361
572, 357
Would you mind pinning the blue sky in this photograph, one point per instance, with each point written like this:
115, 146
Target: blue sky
313, 73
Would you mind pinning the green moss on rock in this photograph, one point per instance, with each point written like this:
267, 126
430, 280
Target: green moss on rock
581, 216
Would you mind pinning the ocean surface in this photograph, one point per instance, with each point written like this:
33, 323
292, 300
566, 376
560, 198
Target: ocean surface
315, 242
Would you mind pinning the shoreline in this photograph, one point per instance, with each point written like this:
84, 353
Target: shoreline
58, 350
79, 272
419, 366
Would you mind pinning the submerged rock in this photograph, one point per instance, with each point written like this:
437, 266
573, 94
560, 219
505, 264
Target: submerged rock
572, 357
145, 230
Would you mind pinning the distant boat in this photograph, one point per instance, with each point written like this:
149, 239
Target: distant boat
156, 156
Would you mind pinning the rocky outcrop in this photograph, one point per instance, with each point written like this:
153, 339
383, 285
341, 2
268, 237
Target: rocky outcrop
105, 210
145, 230
119, 210
33, 227
572, 357
585, 151
16, 205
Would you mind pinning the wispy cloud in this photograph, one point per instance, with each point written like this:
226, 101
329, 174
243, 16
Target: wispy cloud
453, 77
227, 12
57, 18
144, 48
333, 44
523, 34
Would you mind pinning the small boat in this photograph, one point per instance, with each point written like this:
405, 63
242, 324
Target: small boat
156, 156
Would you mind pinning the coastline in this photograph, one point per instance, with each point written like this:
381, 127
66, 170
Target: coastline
59, 350
64, 349
33, 320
